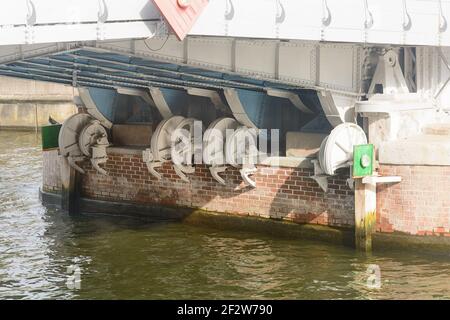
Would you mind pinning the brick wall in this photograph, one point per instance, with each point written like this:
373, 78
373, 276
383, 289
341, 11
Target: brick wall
419, 205
284, 193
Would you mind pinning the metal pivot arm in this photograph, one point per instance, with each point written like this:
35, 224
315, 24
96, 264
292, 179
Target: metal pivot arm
246, 172
147, 157
388, 75
169, 102
99, 155
241, 150
95, 101
319, 176
291, 96
215, 173
93, 141
181, 170
213, 146
72, 160
213, 95
152, 169
182, 148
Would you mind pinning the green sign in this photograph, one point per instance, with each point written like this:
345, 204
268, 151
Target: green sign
363, 158
50, 135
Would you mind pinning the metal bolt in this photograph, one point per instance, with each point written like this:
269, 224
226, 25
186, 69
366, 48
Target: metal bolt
365, 161
391, 58
184, 3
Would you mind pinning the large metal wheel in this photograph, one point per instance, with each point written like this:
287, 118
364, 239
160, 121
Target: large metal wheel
241, 147
161, 139
214, 140
70, 133
89, 136
336, 151
183, 143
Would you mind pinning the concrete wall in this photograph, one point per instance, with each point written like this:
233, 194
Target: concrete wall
27, 104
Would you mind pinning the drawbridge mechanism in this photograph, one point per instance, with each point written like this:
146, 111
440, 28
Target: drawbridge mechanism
160, 145
173, 140
93, 142
241, 150
214, 142
224, 142
388, 77
336, 151
183, 148
82, 137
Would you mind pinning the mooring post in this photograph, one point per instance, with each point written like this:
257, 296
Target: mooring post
365, 213
70, 187
365, 195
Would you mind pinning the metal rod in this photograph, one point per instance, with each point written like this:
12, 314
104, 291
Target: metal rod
18, 74
177, 73
181, 84
445, 61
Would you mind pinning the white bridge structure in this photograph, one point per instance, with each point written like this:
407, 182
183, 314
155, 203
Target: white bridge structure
383, 64
395, 22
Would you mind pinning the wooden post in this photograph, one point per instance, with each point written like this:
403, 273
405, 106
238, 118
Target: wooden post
365, 214
70, 187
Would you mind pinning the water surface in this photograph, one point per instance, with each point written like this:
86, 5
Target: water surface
128, 258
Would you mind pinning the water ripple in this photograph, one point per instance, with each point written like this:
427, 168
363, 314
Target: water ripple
124, 258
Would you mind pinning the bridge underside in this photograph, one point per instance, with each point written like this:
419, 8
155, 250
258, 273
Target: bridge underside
297, 75
96, 68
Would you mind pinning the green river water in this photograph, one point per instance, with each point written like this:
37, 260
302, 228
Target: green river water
127, 258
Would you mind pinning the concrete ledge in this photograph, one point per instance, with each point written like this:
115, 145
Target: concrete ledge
126, 150
19, 128
34, 114
288, 162
36, 98
281, 229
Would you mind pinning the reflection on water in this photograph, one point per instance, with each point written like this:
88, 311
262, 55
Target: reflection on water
129, 258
